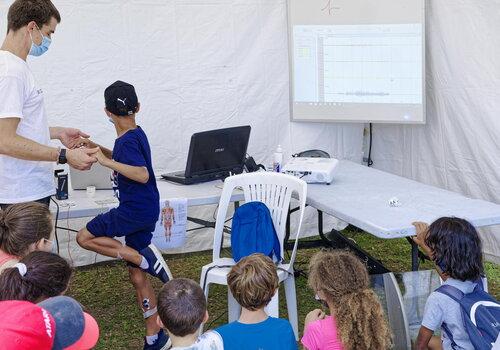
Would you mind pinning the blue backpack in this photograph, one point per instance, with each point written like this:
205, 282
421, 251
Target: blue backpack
252, 231
480, 314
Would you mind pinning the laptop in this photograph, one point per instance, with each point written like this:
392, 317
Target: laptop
98, 176
214, 155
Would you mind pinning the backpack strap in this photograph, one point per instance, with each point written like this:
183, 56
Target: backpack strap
457, 295
480, 284
452, 292
445, 328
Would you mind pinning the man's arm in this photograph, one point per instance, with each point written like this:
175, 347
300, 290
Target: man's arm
13, 145
135, 173
16, 146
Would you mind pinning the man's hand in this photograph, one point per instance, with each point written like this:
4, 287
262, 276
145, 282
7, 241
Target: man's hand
314, 315
422, 230
69, 137
82, 158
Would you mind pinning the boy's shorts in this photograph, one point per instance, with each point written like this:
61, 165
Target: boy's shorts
138, 234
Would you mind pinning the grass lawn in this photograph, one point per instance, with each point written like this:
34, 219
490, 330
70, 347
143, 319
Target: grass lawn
107, 294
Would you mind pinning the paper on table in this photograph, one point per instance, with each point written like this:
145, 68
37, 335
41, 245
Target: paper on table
170, 229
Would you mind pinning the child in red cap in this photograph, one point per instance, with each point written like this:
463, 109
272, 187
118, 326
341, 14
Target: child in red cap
55, 324
25, 326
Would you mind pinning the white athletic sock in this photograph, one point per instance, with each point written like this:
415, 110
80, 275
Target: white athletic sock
150, 339
144, 264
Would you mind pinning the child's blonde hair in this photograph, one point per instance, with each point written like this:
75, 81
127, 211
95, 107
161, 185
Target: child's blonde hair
343, 279
253, 281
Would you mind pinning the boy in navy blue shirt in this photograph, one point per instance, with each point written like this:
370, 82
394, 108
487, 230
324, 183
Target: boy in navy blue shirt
253, 281
135, 218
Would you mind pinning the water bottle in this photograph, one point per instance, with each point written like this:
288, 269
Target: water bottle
278, 159
62, 184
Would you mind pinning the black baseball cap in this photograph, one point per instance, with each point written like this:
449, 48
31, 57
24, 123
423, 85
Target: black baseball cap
121, 99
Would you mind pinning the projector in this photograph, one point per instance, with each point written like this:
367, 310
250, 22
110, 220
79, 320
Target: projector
312, 170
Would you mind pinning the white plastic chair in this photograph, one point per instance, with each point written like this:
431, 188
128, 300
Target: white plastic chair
275, 190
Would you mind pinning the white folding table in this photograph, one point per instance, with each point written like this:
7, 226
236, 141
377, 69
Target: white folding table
360, 196
80, 205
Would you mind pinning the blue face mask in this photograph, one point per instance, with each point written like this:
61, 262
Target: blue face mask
38, 50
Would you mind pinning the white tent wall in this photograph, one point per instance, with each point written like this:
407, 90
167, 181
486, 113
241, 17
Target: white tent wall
196, 65
202, 64
458, 148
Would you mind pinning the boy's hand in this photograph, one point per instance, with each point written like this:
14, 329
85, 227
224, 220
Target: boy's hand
422, 230
81, 158
314, 315
101, 158
85, 142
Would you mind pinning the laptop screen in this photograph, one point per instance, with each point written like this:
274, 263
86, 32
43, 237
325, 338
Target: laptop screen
217, 150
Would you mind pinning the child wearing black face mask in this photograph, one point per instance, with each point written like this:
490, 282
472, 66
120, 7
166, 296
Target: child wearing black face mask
454, 246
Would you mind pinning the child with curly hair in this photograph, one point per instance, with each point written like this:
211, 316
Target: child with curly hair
356, 321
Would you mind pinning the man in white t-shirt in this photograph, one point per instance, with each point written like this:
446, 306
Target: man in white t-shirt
26, 159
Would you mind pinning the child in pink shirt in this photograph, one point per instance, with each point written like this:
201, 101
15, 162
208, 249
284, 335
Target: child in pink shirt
356, 322
322, 333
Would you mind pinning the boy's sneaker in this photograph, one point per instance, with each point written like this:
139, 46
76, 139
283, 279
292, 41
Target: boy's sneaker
162, 343
157, 266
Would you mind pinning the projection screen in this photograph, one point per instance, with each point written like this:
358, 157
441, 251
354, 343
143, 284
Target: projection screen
357, 60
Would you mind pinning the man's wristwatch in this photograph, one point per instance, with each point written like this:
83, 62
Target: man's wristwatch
62, 156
